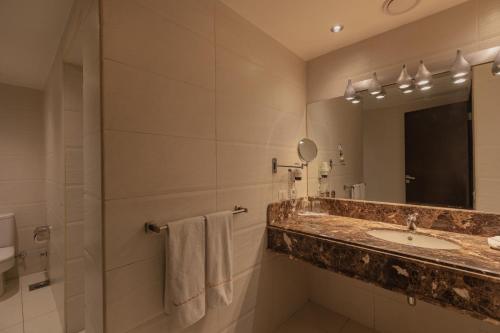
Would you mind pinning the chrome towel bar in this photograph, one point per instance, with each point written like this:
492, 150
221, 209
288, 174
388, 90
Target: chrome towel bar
153, 227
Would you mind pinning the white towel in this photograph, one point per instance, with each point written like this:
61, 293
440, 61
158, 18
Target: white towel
494, 242
184, 298
219, 259
358, 191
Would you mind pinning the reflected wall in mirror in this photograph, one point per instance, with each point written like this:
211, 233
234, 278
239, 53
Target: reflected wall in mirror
438, 147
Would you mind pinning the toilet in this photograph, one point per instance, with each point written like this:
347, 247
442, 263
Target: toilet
7, 252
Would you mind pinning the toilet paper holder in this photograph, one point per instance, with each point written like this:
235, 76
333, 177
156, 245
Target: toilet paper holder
41, 234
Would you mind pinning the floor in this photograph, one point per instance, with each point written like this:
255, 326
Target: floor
313, 318
24, 311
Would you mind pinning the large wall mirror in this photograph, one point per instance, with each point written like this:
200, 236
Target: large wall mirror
436, 147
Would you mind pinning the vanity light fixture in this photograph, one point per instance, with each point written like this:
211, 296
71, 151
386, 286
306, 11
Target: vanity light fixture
350, 92
461, 67
423, 77
495, 69
405, 80
375, 87
337, 28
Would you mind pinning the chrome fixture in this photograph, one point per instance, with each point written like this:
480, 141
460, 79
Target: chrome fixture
460, 70
337, 28
495, 69
375, 87
153, 227
350, 92
411, 221
423, 77
405, 81
461, 67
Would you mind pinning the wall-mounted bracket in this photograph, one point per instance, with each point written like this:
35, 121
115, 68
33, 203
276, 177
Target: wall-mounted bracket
275, 165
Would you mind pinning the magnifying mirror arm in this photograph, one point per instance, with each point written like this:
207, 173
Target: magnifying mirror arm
276, 166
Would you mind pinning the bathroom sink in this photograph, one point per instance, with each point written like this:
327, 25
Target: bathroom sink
413, 239
312, 214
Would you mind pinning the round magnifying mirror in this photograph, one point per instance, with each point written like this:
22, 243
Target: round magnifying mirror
307, 150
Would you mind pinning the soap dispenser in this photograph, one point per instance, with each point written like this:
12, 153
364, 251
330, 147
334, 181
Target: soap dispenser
293, 176
323, 186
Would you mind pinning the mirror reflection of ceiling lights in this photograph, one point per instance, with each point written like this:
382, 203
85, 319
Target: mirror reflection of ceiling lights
460, 74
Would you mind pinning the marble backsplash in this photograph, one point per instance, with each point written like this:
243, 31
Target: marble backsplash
446, 219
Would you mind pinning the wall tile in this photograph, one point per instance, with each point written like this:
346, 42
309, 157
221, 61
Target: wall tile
142, 301
21, 167
74, 203
348, 297
249, 245
75, 283
74, 240
240, 36
21, 192
75, 314
145, 102
255, 198
263, 125
126, 241
73, 129
74, 166
169, 164
141, 37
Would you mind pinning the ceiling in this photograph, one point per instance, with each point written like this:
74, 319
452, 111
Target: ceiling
303, 26
30, 32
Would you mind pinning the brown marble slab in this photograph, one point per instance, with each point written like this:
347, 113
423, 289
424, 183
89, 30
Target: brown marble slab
474, 254
446, 219
467, 279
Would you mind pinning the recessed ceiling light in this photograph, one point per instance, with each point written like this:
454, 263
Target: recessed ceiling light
337, 28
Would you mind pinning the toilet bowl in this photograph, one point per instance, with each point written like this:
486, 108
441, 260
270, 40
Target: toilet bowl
7, 247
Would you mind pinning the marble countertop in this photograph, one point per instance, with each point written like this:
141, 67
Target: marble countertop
474, 254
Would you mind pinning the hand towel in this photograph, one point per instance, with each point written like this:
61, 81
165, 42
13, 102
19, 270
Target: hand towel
184, 298
494, 242
358, 191
219, 227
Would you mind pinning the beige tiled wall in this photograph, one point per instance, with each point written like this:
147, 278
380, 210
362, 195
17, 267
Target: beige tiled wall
73, 155
92, 170
196, 103
486, 138
22, 169
55, 181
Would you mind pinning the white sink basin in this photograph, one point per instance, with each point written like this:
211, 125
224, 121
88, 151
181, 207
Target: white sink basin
312, 214
413, 239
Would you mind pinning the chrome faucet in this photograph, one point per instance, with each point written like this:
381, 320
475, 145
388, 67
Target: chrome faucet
411, 221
